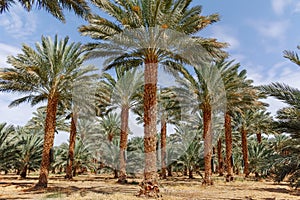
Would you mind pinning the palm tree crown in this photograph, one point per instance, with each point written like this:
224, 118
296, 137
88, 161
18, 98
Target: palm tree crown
80, 7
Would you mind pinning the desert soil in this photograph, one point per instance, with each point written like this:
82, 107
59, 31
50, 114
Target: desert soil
103, 187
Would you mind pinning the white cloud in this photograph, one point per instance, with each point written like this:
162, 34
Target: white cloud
6, 50
16, 115
272, 29
279, 6
226, 34
297, 7
282, 72
18, 22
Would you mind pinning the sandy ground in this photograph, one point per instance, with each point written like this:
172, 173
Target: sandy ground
103, 187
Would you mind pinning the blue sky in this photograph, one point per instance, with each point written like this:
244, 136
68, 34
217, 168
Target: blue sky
258, 31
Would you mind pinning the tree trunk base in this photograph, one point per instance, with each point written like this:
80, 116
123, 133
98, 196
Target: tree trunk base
40, 186
229, 178
149, 189
122, 180
208, 182
68, 177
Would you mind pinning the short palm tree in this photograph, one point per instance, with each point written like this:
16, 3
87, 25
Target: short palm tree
55, 8
189, 147
29, 149
47, 73
138, 35
7, 146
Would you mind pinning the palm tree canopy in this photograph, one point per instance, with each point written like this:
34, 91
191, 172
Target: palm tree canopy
292, 56
55, 8
122, 90
146, 31
283, 92
53, 68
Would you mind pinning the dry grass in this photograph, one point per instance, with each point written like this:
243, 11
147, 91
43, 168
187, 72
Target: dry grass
103, 187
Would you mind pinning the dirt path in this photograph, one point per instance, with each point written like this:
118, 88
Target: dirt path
101, 187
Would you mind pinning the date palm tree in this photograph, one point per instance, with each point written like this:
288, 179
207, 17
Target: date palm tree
7, 146
204, 92
29, 149
55, 8
123, 93
169, 112
139, 33
236, 86
47, 73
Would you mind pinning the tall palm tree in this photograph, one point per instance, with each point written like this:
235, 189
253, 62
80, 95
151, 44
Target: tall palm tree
46, 74
55, 8
72, 141
169, 113
204, 92
235, 85
123, 94
137, 35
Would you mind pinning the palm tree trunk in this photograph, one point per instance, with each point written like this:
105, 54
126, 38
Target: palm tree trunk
123, 143
228, 141
163, 148
24, 171
207, 146
220, 158
72, 139
48, 140
258, 136
149, 186
169, 169
191, 172
245, 151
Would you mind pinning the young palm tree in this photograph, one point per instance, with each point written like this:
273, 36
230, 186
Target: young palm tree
189, 147
55, 8
7, 146
29, 149
46, 74
138, 35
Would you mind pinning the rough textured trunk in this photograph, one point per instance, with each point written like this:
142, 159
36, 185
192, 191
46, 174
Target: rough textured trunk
72, 140
169, 168
48, 140
220, 158
163, 148
258, 136
191, 173
207, 146
149, 186
24, 171
123, 144
116, 173
245, 151
185, 170
228, 142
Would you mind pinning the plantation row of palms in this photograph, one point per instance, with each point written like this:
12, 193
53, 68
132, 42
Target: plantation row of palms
211, 103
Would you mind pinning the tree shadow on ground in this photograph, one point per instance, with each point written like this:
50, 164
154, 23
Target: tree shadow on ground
61, 191
293, 192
